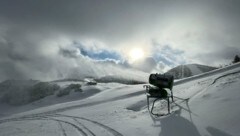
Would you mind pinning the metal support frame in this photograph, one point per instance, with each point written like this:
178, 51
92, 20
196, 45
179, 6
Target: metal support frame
156, 98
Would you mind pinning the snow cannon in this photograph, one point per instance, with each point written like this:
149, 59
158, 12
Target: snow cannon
161, 80
157, 91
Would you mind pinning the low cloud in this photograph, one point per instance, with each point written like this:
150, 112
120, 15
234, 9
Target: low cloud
167, 56
70, 53
223, 55
54, 59
97, 52
146, 64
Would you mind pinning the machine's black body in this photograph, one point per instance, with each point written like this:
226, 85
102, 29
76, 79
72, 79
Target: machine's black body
161, 80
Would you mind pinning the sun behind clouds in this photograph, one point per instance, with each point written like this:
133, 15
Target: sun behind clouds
136, 54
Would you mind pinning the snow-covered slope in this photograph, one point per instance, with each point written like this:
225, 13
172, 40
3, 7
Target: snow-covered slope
188, 70
10, 104
33, 94
211, 110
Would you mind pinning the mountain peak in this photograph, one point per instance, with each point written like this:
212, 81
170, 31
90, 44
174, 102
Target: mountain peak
187, 70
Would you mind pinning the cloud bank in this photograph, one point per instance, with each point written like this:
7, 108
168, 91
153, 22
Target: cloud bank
44, 39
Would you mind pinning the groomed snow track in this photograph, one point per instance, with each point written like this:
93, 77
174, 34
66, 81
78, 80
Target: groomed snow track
84, 129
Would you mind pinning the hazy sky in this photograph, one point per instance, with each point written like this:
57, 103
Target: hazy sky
50, 39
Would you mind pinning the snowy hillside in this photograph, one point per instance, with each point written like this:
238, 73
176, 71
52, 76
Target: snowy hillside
120, 110
33, 94
30, 98
188, 70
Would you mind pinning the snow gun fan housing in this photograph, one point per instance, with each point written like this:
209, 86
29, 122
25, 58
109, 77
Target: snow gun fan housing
161, 80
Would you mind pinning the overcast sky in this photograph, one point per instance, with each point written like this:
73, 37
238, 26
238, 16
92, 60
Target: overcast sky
50, 39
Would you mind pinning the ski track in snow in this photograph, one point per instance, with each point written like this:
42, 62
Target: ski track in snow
75, 123
89, 131
61, 127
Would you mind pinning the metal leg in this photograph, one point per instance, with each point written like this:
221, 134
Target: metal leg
153, 105
148, 102
168, 105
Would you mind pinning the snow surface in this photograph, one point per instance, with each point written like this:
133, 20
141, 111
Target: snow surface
212, 110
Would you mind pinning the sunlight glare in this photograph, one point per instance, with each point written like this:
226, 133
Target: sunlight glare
136, 54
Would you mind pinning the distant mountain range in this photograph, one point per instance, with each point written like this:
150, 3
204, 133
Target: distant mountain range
183, 71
